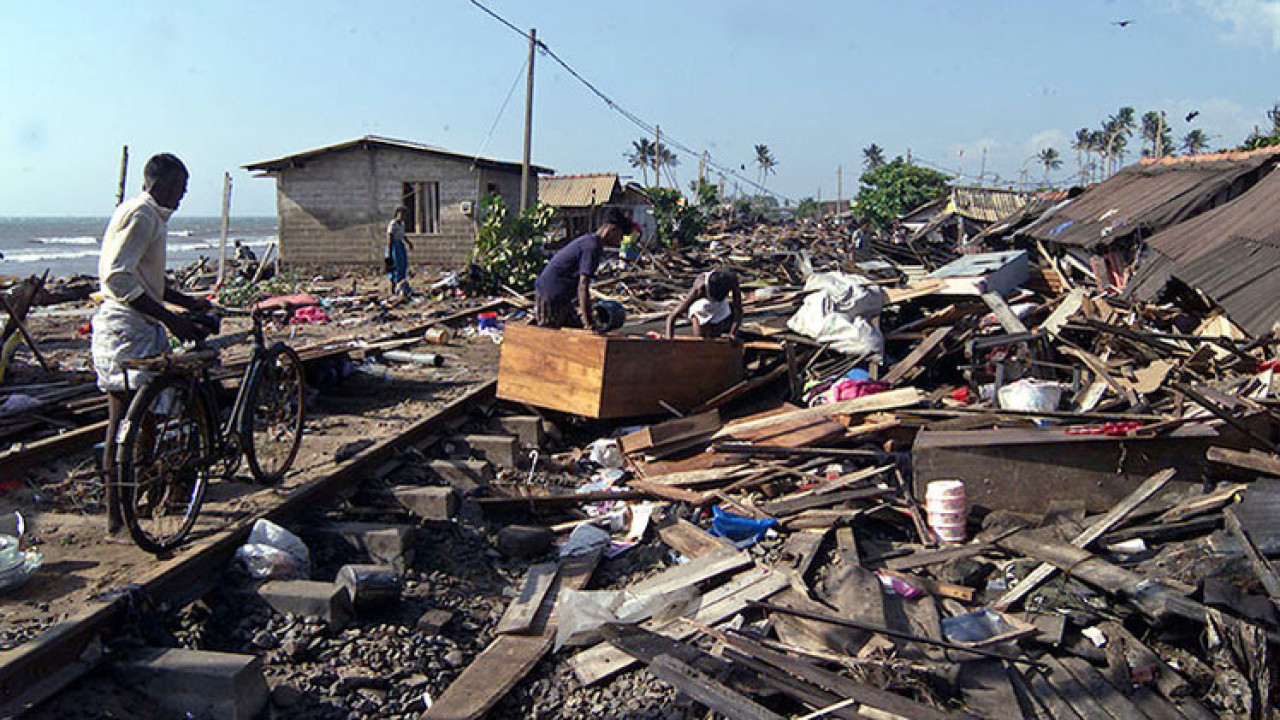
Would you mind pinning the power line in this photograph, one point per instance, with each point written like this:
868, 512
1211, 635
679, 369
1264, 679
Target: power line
523, 64
631, 117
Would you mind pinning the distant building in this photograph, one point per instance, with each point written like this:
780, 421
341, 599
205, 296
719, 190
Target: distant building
334, 202
580, 201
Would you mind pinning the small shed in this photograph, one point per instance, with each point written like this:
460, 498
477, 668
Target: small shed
580, 201
334, 202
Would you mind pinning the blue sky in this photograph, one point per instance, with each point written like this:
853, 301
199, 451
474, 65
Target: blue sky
228, 83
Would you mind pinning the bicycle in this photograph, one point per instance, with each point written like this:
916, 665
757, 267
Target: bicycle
176, 435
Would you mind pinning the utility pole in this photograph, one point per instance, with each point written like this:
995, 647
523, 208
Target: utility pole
702, 168
657, 155
525, 169
908, 156
839, 187
982, 173
124, 172
226, 221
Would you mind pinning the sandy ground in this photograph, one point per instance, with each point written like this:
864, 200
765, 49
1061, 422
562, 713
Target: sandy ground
65, 522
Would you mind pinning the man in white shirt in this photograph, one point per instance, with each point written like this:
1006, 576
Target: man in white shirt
130, 323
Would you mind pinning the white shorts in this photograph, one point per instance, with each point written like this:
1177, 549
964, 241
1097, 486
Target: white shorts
710, 312
122, 333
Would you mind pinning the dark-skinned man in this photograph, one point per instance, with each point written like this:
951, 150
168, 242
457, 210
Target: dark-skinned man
131, 321
564, 285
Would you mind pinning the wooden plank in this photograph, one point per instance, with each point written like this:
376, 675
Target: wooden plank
934, 557
1097, 529
1112, 702
987, 690
699, 569
800, 432
1261, 463
891, 400
690, 540
707, 690
1048, 697
783, 508
507, 659
605, 660
519, 615
865, 694
671, 431
1008, 320
1073, 692
1262, 567
667, 492
917, 354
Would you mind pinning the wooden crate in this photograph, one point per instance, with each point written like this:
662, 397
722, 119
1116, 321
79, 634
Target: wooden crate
612, 376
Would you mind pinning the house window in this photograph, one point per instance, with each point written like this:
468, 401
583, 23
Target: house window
423, 201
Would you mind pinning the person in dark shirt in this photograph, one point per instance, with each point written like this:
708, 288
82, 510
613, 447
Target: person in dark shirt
569, 272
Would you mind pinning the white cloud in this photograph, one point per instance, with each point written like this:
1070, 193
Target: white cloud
1250, 22
1047, 139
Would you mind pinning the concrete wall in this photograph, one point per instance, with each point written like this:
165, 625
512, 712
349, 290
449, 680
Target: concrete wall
334, 209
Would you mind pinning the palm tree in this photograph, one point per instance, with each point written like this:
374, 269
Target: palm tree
1195, 142
641, 156
1083, 145
766, 162
872, 157
664, 158
1156, 131
1050, 159
1117, 130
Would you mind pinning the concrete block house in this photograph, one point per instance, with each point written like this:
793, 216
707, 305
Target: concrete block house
334, 202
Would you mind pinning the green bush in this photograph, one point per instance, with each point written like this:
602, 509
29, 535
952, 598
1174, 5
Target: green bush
679, 223
508, 250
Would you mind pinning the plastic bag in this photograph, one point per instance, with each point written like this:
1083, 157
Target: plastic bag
1030, 395
584, 540
743, 532
606, 453
581, 613
274, 553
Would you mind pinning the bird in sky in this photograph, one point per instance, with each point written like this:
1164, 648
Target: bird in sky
1122, 23
1192, 115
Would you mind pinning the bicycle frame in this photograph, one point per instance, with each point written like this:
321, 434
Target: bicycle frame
227, 433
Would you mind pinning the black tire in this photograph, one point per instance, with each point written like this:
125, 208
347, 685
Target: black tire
271, 426
164, 459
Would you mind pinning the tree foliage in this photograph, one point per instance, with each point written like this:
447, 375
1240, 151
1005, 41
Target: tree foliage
1195, 142
766, 162
872, 157
807, 208
894, 188
1259, 139
508, 250
678, 221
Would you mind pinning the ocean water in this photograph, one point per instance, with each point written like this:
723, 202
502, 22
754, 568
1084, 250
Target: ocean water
69, 246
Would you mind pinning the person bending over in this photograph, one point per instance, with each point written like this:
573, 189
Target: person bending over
567, 276
130, 323
714, 305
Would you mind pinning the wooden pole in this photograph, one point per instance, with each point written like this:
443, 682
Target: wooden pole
839, 188
124, 172
657, 156
525, 170
226, 221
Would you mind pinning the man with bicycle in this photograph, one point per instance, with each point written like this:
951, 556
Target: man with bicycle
131, 321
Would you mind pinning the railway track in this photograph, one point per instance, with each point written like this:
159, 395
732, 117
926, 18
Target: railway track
38, 670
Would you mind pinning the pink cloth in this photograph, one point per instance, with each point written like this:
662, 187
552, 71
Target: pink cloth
309, 315
851, 389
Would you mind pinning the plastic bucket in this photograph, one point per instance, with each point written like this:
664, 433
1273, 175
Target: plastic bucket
947, 508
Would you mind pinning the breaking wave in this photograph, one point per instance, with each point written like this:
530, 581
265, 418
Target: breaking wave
77, 240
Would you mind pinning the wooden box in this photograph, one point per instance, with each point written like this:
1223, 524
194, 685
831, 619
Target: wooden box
612, 376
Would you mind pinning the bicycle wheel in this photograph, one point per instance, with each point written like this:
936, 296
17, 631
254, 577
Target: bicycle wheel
164, 462
271, 427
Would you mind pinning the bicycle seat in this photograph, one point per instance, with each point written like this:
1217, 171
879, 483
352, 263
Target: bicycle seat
189, 360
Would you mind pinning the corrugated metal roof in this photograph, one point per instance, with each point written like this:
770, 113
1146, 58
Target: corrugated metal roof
577, 191
1146, 198
987, 204
1231, 253
367, 141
